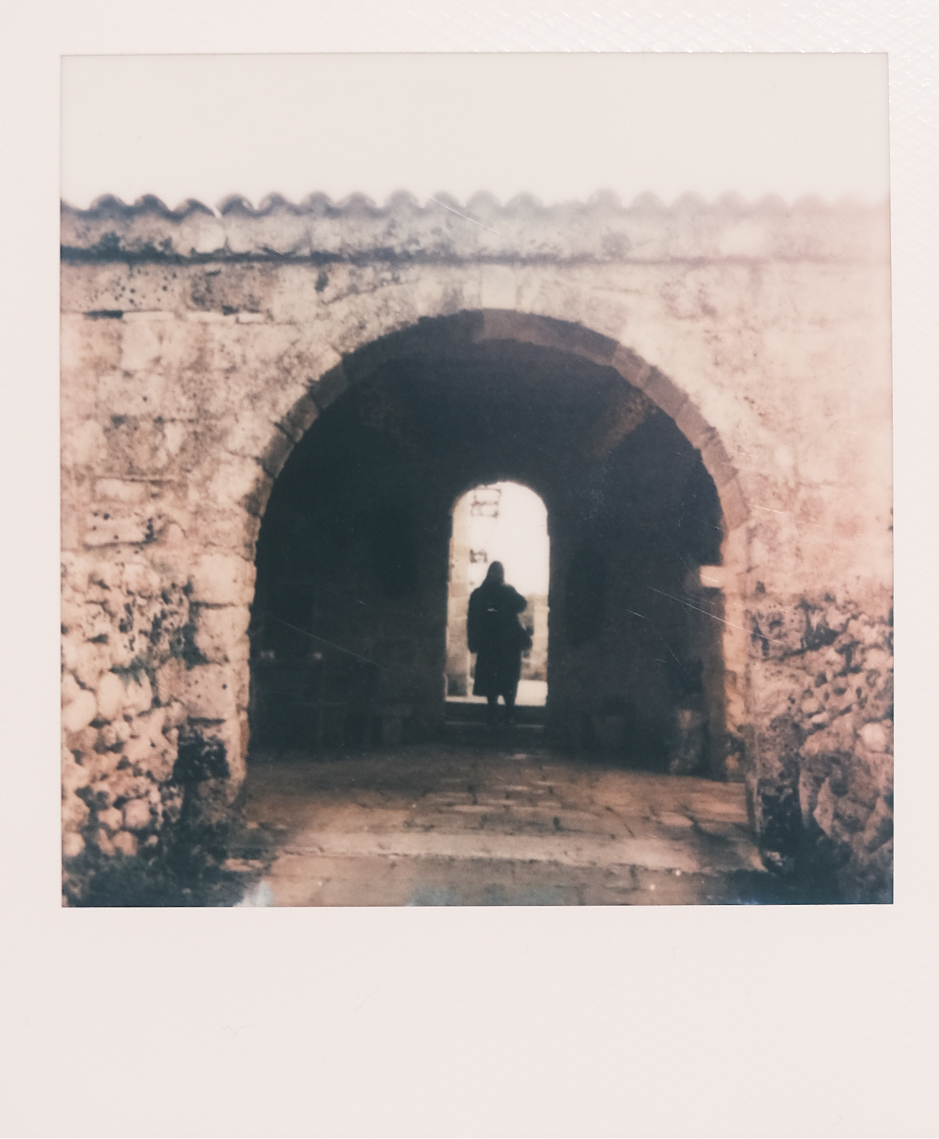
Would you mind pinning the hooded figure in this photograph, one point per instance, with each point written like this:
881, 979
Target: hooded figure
495, 635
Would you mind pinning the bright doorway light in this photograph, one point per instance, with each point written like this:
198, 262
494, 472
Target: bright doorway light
499, 522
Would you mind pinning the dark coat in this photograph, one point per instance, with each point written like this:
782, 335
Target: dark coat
495, 635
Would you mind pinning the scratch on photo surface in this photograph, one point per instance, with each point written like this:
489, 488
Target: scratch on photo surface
465, 217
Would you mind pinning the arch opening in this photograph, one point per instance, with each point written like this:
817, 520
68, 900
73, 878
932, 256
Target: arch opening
349, 627
508, 523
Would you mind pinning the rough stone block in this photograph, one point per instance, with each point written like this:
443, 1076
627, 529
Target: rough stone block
86, 661
125, 843
630, 366
137, 816
211, 693
118, 527
443, 295
220, 633
329, 386
663, 392
141, 579
125, 491
84, 445
248, 435
111, 695
113, 736
692, 424
733, 505
103, 841
112, 819
71, 689
72, 844
222, 579
498, 287
171, 680
352, 326
147, 743
717, 461
90, 346
139, 395
80, 712
824, 813
149, 339
235, 480
297, 419
74, 810
877, 737
138, 694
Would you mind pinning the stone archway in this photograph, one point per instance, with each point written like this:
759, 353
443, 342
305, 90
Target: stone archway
199, 348
486, 340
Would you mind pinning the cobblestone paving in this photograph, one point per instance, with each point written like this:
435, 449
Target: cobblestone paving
456, 824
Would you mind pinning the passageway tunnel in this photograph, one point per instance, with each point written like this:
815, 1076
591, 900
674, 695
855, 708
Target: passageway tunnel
349, 619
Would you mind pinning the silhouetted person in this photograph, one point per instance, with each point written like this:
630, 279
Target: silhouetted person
495, 635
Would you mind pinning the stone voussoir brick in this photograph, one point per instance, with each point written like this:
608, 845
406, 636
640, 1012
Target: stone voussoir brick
222, 579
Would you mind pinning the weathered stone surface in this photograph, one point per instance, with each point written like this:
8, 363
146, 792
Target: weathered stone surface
211, 693
71, 689
111, 696
72, 844
602, 230
222, 579
137, 815
816, 680
111, 819
147, 745
197, 350
79, 712
125, 843
221, 633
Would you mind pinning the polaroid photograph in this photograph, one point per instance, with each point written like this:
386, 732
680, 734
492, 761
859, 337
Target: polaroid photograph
452, 458
482, 497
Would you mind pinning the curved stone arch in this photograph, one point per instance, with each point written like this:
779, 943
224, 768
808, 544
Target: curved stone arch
480, 325
477, 325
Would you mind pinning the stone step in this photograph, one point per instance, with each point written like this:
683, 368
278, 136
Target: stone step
474, 712
480, 735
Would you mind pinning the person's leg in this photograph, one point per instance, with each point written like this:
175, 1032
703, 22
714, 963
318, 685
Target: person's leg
491, 703
509, 698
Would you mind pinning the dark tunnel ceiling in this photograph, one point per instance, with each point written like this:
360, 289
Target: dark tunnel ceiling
503, 379
496, 395
451, 418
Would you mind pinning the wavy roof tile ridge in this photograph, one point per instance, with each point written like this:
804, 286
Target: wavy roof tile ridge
401, 201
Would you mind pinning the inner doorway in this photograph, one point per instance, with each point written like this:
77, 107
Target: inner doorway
505, 522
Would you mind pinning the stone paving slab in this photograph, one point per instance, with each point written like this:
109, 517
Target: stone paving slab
450, 824
653, 853
383, 881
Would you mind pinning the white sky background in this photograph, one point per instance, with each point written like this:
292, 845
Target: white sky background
558, 126
517, 537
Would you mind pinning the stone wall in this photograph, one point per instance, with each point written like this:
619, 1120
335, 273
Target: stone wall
199, 348
822, 780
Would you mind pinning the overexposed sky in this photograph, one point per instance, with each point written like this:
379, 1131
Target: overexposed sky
558, 126
517, 537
